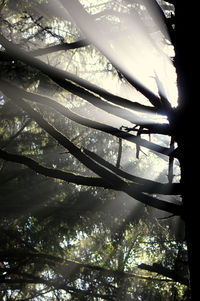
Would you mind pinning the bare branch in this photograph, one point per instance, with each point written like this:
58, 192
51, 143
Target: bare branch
161, 270
66, 80
9, 88
25, 278
107, 175
119, 153
84, 21
164, 25
54, 173
57, 262
144, 185
64, 46
70, 177
171, 162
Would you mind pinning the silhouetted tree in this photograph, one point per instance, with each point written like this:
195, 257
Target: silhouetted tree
27, 111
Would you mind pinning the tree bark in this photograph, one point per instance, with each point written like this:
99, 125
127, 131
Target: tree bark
185, 126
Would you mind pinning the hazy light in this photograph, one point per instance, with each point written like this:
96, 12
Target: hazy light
125, 39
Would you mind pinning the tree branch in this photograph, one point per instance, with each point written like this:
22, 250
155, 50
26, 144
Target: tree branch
107, 175
7, 142
161, 270
54, 173
58, 263
139, 184
157, 14
119, 156
11, 91
171, 1
85, 22
64, 46
144, 185
55, 284
66, 80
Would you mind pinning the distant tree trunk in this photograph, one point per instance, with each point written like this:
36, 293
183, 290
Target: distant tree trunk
185, 127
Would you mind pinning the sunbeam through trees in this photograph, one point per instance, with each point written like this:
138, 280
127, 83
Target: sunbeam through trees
98, 119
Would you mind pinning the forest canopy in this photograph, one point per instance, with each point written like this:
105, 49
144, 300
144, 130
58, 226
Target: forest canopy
90, 194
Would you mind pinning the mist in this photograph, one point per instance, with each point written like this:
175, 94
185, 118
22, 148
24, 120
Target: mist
136, 44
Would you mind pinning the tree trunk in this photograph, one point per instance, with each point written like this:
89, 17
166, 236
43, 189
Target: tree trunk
189, 198
185, 126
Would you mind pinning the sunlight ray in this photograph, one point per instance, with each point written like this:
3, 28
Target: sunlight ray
131, 48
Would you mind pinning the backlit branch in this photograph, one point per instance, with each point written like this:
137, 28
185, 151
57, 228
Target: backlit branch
9, 88
74, 84
52, 172
108, 176
66, 143
85, 21
119, 156
164, 23
144, 185
26, 278
70, 177
63, 46
161, 270
60, 264
171, 162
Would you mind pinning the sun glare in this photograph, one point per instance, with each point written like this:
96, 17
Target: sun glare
135, 45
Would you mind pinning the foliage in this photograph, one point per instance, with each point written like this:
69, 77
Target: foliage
85, 168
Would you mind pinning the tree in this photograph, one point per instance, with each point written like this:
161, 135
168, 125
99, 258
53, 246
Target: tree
24, 76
